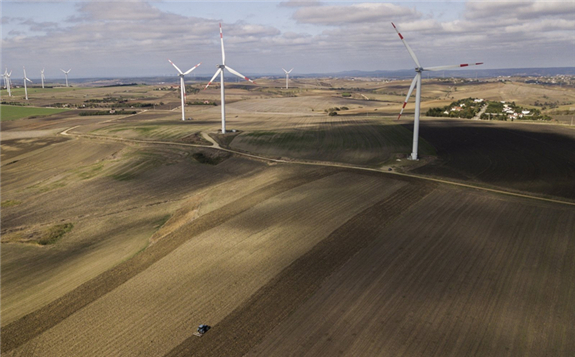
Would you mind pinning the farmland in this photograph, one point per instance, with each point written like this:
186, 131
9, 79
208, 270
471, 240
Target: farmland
121, 234
11, 112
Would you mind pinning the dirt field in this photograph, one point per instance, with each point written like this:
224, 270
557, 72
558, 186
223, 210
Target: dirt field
457, 276
162, 235
520, 157
253, 247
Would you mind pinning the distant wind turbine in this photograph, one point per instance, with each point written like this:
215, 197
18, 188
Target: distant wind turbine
42, 77
287, 77
182, 85
66, 73
26, 79
417, 82
6, 76
221, 68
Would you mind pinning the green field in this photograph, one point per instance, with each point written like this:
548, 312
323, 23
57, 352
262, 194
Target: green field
12, 112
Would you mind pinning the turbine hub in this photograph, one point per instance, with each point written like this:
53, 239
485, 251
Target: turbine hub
419, 69
222, 66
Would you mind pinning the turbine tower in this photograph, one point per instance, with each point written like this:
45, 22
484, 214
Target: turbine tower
25, 79
221, 68
182, 85
42, 77
66, 73
417, 82
287, 77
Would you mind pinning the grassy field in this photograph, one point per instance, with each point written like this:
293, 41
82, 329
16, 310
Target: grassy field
13, 112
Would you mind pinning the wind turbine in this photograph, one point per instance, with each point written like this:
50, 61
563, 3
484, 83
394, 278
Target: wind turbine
7, 80
42, 77
182, 85
26, 79
287, 76
66, 73
417, 82
221, 68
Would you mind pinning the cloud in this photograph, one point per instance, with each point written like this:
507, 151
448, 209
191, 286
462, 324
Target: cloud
299, 3
137, 38
338, 15
519, 10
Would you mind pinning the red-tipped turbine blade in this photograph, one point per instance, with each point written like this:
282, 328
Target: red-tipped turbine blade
238, 74
411, 53
176, 67
191, 69
411, 87
222, 41
440, 68
214, 77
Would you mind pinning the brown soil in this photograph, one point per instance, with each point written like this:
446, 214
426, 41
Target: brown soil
462, 274
31, 325
519, 157
253, 320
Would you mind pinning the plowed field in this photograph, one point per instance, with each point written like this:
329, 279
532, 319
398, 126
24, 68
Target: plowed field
209, 275
521, 157
460, 275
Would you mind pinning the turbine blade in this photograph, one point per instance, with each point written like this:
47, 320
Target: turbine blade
191, 69
222, 41
176, 67
290, 70
214, 77
28, 80
411, 87
411, 53
285, 70
238, 74
62, 70
440, 68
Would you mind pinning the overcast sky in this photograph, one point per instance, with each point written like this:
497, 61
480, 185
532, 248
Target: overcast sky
136, 38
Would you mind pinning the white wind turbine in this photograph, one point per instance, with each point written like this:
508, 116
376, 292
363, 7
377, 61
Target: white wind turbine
287, 77
221, 68
66, 73
6, 76
182, 85
42, 77
26, 79
417, 82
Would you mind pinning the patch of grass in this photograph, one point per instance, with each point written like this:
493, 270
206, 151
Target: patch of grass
55, 233
10, 203
160, 222
91, 171
257, 134
215, 159
12, 112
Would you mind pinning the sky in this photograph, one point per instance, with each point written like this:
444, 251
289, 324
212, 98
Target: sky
136, 38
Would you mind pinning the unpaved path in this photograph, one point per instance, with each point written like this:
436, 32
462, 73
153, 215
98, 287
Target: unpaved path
216, 146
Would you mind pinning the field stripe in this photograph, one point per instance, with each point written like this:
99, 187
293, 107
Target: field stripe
23, 330
252, 321
330, 164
